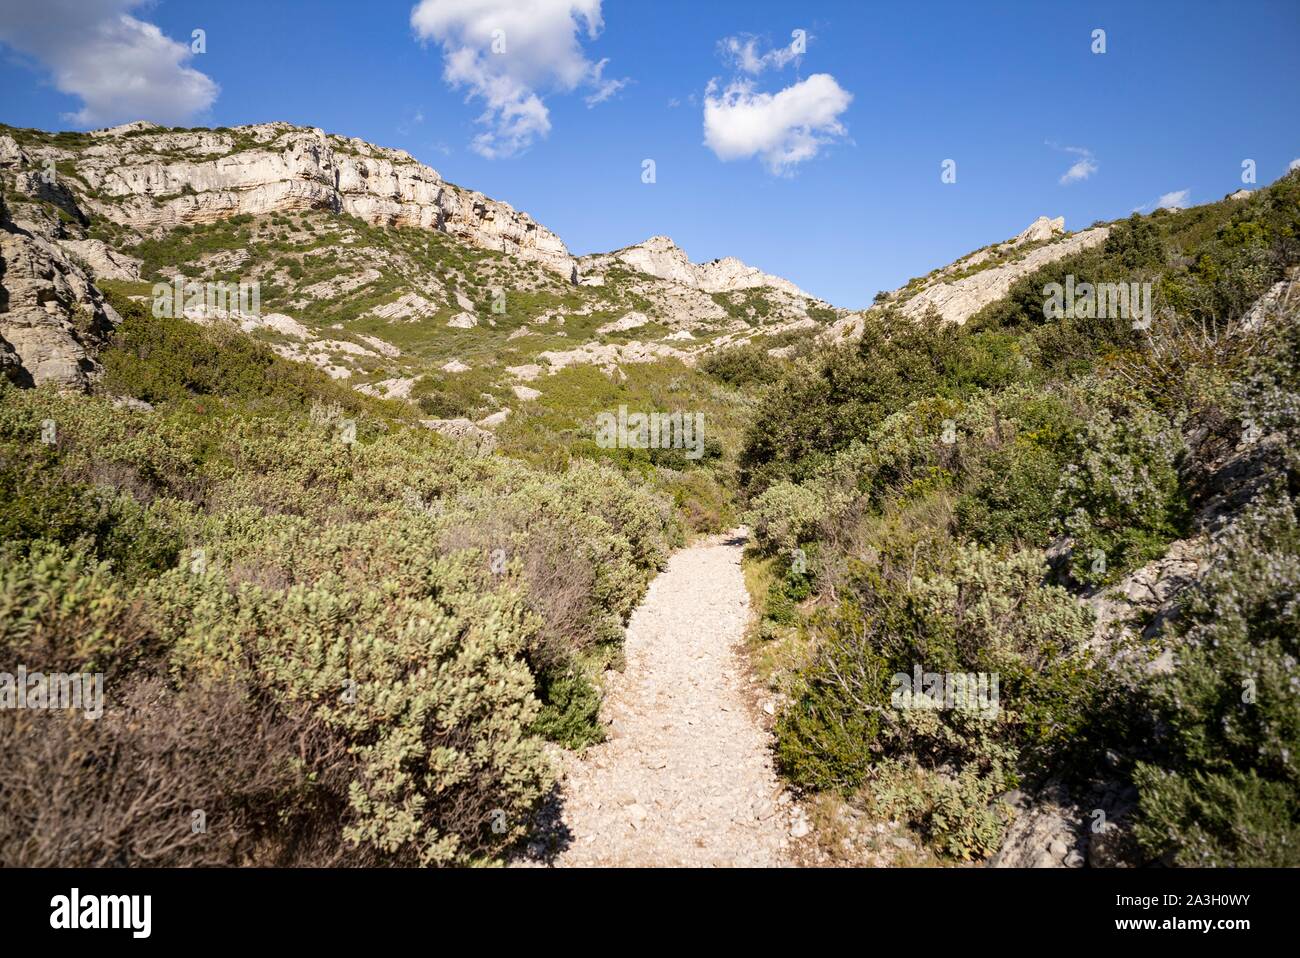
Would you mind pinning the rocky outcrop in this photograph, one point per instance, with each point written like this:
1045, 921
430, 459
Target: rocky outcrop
143, 176
103, 261
1040, 230
11, 367
720, 296
52, 318
660, 257
1142, 601
960, 290
957, 300
632, 320
409, 308
478, 440
613, 354
1282, 299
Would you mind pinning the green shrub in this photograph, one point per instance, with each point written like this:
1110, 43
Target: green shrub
166, 360
785, 515
348, 594
40, 506
1228, 792
427, 689
746, 365
811, 413
1011, 499
973, 613
1122, 502
570, 712
61, 610
956, 814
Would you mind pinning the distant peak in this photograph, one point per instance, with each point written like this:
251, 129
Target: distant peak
659, 242
1043, 228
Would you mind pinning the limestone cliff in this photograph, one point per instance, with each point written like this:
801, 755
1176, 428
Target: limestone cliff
52, 318
141, 175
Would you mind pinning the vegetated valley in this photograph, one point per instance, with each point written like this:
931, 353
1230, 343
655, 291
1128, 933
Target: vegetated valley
356, 569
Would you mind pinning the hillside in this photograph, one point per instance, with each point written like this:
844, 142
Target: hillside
373, 267
1027, 577
367, 521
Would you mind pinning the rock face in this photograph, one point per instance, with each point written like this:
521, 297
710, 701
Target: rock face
52, 319
1040, 229
632, 320
11, 367
104, 261
613, 354
141, 176
959, 299
960, 290
724, 296
660, 257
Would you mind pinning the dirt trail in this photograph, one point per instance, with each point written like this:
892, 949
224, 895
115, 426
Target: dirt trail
686, 776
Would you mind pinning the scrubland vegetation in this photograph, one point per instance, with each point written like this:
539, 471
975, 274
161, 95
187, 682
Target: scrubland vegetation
342, 652
347, 640
948, 496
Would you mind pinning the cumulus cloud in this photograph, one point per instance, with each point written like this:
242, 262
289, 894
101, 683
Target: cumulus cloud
742, 52
120, 67
1080, 169
509, 55
1293, 165
784, 128
1176, 200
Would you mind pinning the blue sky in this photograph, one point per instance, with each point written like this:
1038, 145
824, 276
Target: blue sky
822, 167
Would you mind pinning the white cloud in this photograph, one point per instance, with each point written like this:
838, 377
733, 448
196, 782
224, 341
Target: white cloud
742, 52
1176, 200
784, 129
1080, 169
1293, 165
120, 67
509, 55
604, 88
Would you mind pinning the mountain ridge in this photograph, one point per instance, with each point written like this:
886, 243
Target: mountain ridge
143, 175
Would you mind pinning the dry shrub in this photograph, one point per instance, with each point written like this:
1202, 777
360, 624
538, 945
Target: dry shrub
1180, 357
270, 779
559, 579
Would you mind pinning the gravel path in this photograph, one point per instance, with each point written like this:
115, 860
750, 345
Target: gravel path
686, 776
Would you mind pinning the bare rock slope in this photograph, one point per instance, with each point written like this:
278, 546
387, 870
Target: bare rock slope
961, 289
